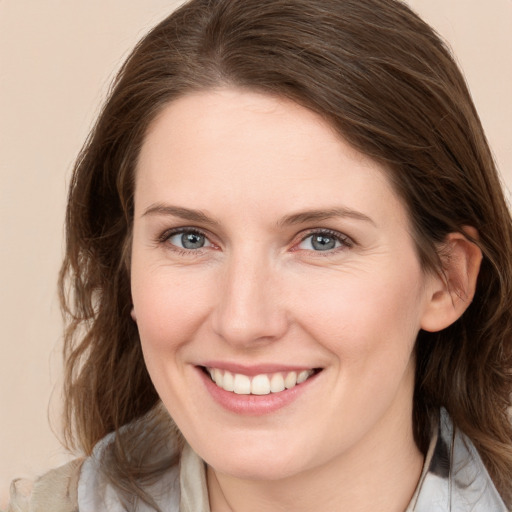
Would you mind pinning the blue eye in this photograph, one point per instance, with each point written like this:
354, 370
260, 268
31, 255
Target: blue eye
322, 242
190, 240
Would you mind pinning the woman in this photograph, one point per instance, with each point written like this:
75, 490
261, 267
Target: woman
286, 233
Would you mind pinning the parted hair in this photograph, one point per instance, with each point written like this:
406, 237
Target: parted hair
389, 85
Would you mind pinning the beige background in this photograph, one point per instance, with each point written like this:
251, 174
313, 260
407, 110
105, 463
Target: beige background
56, 60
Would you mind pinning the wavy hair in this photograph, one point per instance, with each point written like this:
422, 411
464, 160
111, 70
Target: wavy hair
389, 85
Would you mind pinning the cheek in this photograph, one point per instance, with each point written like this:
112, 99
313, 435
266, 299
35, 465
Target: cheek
168, 307
360, 316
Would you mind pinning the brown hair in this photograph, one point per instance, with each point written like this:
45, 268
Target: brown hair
389, 85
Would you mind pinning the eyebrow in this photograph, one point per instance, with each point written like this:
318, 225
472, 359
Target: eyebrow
290, 220
180, 212
319, 215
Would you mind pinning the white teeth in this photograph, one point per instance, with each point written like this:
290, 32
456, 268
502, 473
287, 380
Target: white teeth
228, 382
276, 383
303, 375
262, 384
242, 384
217, 377
291, 380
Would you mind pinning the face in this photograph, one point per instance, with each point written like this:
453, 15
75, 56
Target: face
275, 284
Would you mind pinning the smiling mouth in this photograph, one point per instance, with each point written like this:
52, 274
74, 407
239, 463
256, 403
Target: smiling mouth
262, 384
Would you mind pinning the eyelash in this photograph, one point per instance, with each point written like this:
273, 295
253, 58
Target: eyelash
345, 241
166, 235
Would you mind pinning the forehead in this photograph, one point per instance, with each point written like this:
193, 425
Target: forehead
236, 145
216, 119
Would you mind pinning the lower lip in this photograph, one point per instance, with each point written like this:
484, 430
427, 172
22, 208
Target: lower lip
254, 405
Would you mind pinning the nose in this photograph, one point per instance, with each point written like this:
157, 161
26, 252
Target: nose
250, 310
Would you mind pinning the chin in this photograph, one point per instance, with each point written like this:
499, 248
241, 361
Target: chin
248, 469
257, 461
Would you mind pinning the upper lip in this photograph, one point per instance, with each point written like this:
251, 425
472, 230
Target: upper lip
257, 369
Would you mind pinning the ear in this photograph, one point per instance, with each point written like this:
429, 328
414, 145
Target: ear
453, 288
133, 315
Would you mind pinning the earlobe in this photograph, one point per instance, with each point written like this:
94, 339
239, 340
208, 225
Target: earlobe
132, 314
453, 288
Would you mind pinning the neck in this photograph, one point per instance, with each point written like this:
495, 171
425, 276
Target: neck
383, 469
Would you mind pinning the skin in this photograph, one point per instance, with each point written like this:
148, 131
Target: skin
258, 292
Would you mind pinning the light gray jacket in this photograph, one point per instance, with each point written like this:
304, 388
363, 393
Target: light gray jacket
454, 479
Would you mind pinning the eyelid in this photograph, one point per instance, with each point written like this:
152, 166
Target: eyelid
345, 240
164, 237
167, 233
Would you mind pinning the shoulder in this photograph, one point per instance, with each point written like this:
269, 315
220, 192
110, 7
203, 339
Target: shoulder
110, 477
56, 490
103, 485
454, 476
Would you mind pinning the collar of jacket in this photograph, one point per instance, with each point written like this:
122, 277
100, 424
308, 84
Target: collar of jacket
454, 478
